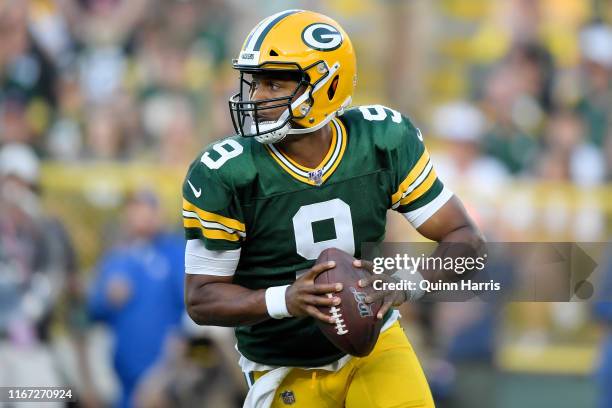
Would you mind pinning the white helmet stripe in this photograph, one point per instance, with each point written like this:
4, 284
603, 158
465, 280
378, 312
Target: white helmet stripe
249, 46
264, 27
248, 40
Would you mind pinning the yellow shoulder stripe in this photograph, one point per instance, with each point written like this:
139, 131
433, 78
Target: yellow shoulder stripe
210, 233
411, 177
212, 217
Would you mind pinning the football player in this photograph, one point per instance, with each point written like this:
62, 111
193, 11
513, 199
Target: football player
306, 173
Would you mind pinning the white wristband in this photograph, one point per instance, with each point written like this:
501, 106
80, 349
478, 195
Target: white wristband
275, 302
417, 278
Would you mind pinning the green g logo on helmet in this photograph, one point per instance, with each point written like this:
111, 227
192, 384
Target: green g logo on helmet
322, 37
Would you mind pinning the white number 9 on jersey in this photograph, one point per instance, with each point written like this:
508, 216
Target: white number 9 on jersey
224, 153
379, 113
336, 210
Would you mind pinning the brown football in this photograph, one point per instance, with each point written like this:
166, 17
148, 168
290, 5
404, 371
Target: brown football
357, 328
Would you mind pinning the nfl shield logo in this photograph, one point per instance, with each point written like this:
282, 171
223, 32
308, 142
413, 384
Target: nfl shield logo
316, 176
288, 397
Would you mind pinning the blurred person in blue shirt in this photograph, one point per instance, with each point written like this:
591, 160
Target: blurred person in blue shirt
602, 309
138, 291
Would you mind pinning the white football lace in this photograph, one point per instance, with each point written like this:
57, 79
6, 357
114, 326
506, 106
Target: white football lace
336, 313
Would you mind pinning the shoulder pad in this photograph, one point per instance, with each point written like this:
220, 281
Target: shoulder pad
388, 127
227, 161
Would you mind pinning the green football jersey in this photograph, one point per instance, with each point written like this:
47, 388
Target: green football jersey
242, 194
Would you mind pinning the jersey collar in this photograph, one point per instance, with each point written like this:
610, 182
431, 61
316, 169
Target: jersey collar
315, 176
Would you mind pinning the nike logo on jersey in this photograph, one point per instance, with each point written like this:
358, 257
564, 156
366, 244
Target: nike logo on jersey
196, 193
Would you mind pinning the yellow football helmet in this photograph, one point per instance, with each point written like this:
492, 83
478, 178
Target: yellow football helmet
315, 49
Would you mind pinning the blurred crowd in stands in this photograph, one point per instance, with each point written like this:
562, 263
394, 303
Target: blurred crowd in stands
118, 81
113, 80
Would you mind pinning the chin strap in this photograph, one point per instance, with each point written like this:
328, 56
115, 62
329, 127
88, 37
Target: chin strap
294, 131
280, 134
330, 74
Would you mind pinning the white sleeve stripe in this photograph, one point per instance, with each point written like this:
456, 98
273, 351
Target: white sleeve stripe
201, 261
212, 225
415, 184
420, 215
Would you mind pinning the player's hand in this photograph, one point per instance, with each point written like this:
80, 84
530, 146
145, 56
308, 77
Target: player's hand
303, 296
389, 297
